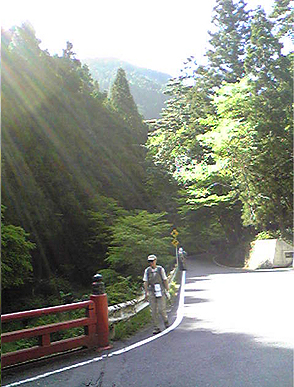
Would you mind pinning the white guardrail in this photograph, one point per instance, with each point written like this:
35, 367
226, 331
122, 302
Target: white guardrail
126, 310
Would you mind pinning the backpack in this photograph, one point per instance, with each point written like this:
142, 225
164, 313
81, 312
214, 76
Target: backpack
149, 273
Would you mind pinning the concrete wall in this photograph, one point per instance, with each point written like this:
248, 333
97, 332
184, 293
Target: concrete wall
268, 253
280, 259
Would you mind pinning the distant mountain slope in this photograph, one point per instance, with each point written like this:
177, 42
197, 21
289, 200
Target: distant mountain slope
146, 85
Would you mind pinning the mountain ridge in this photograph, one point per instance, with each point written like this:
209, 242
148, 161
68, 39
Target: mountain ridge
147, 85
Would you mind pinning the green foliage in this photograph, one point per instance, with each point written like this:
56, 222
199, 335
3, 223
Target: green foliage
134, 237
121, 97
72, 165
283, 15
119, 288
232, 24
100, 229
169, 143
15, 253
122, 290
268, 235
66, 156
229, 144
123, 102
257, 155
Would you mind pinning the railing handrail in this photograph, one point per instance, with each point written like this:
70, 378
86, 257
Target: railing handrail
95, 325
45, 329
44, 311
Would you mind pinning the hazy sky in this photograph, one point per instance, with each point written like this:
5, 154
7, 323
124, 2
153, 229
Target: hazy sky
157, 34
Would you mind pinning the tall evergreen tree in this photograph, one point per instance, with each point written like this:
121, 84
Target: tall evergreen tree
269, 71
121, 97
168, 139
229, 41
174, 140
283, 14
264, 61
123, 102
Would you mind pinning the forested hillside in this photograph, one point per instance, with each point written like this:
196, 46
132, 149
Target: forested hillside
88, 187
226, 134
147, 86
73, 162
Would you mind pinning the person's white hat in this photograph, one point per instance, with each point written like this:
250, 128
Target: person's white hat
151, 257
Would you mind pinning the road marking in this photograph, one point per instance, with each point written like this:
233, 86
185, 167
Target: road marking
180, 314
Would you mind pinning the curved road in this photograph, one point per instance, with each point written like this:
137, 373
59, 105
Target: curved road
235, 328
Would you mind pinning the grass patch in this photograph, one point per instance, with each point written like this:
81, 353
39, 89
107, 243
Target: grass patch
125, 329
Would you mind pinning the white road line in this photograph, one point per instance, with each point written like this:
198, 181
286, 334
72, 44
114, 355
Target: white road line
180, 314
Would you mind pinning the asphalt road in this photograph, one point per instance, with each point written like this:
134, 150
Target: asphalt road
235, 328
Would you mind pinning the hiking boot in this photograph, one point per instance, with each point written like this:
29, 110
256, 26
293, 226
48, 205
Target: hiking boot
156, 331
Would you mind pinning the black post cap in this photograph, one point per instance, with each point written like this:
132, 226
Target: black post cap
98, 285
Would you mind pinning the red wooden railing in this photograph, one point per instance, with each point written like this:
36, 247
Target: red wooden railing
95, 325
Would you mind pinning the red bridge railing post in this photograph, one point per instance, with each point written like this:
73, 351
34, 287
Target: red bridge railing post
99, 297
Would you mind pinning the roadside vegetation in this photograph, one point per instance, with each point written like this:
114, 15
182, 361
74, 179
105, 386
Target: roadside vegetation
89, 188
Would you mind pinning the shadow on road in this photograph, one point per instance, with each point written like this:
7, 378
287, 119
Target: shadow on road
224, 299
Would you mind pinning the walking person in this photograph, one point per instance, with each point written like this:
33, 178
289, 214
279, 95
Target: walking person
155, 285
182, 259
